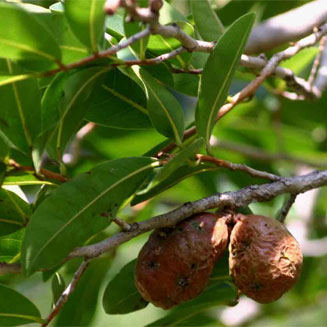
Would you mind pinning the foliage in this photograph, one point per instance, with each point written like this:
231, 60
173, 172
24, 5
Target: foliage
81, 142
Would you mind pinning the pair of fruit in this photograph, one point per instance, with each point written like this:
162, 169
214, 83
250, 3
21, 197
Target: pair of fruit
175, 264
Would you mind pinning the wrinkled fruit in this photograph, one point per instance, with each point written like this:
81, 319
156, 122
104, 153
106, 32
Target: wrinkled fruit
265, 260
175, 264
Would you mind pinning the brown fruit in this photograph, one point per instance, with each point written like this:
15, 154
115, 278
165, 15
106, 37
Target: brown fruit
265, 260
174, 265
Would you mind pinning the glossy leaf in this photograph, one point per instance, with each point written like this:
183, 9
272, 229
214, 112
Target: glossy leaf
82, 304
86, 19
58, 285
85, 205
118, 102
165, 111
14, 212
16, 309
121, 295
218, 73
179, 159
206, 20
71, 92
177, 176
20, 110
15, 43
10, 246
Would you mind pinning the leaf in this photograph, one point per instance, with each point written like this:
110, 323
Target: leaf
71, 92
81, 307
86, 19
118, 102
10, 246
121, 295
3, 166
16, 309
16, 43
165, 111
14, 212
24, 178
58, 285
180, 158
20, 110
206, 20
177, 176
52, 233
218, 73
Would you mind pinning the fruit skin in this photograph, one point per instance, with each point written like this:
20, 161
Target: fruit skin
265, 260
174, 265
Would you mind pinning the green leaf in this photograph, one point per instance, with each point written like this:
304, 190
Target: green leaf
24, 178
177, 176
118, 102
206, 20
67, 106
121, 295
180, 158
86, 19
8, 79
16, 309
165, 111
58, 285
3, 166
80, 208
27, 37
218, 73
217, 293
20, 110
10, 246
14, 212
81, 307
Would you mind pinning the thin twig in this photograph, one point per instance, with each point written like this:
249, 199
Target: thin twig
122, 224
317, 61
286, 208
68, 291
240, 198
233, 166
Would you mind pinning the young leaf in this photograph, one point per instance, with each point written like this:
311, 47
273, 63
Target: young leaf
16, 309
121, 295
27, 37
80, 208
72, 93
10, 246
14, 212
177, 176
118, 102
86, 19
206, 20
165, 111
82, 304
218, 73
20, 110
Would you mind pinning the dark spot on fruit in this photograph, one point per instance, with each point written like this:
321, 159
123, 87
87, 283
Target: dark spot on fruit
256, 286
153, 264
183, 282
196, 225
193, 265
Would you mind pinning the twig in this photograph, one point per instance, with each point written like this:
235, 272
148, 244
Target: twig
122, 224
233, 166
241, 198
317, 61
44, 172
68, 291
286, 207
260, 154
10, 268
321, 79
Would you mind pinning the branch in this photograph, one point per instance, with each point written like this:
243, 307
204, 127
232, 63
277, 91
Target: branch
287, 27
232, 166
321, 79
67, 292
260, 154
241, 198
10, 268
